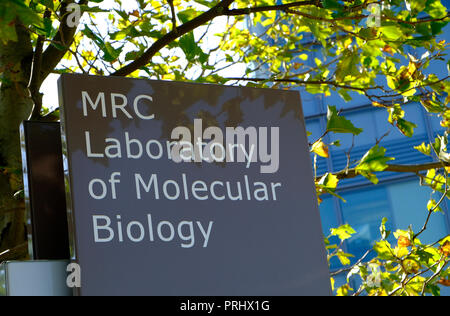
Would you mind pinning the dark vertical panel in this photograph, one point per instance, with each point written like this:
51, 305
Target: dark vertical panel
44, 190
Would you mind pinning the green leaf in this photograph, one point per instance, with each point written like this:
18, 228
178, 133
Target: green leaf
7, 33
9, 11
348, 65
120, 35
435, 9
374, 160
391, 32
318, 89
110, 54
48, 3
343, 232
331, 4
384, 233
27, 15
344, 257
123, 14
417, 5
328, 184
370, 176
395, 113
433, 289
206, 3
187, 15
432, 205
434, 180
339, 124
405, 127
86, 8
190, 47
432, 106
384, 250
48, 27
344, 94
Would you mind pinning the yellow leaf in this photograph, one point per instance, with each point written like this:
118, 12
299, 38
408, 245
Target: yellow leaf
424, 149
445, 248
409, 92
411, 266
320, 149
411, 70
329, 180
319, 200
303, 57
445, 123
378, 104
388, 49
432, 205
378, 292
400, 251
391, 82
344, 290
403, 242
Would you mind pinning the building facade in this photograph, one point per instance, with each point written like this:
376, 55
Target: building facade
399, 197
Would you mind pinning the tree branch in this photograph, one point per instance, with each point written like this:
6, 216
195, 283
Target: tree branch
35, 81
317, 18
174, 16
304, 82
352, 173
430, 279
431, 211
65, 35
419, 21
333, 274
280, 7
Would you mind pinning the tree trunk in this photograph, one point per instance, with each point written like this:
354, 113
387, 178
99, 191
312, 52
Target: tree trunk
15, 106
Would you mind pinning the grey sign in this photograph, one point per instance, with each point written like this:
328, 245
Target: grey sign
189, 189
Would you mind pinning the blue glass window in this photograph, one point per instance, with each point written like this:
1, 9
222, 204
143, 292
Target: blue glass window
364, 210
329, 221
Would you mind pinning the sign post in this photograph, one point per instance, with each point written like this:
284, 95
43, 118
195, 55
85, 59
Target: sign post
189, 189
